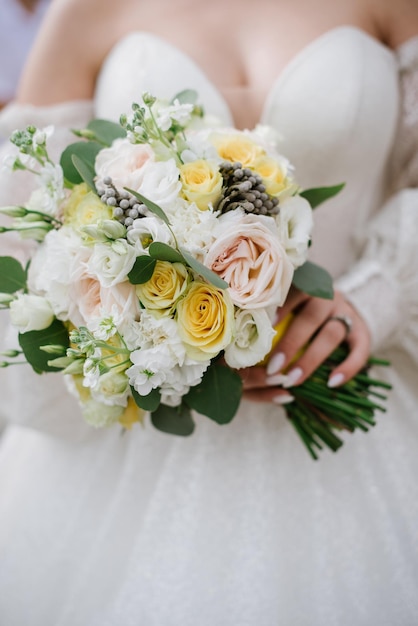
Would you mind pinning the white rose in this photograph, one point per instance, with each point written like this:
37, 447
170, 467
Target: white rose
99, 414
111, 262
295, 223
29, 312
112, 389
252, 340
160, 182
124, 163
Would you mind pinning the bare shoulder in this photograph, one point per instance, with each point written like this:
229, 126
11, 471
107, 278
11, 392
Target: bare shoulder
69, 49
398, 21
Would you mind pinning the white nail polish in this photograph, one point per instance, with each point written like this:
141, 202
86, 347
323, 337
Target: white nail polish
292, 377
335, 380
282, 399
276, 363
278, 379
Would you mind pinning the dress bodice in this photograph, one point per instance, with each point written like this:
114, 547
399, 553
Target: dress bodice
334, 107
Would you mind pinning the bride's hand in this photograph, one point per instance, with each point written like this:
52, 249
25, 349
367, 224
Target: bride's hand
312, 316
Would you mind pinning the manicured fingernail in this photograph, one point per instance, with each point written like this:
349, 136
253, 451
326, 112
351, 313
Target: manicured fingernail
276, 363
335, 380
292, 377
278, 379
283, 399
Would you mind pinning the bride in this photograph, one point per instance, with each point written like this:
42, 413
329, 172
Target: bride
234, 525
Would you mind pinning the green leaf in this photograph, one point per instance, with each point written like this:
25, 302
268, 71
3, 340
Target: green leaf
32, 341
12, 275
218, 395
173, 420
150, 402
106, 131
187, 96
317, 195
204, 271
86, 171
163, 252
86, 150
313, 280
142, 270
154, 208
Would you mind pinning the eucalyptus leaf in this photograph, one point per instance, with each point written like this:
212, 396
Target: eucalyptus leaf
86, 170
106, 131
187, 96
12, 275
218, 394
154, 208
85, 150
204, 271
142, 270
31, 343
318, 195
314, 280
173, 420
163, 252
150, 402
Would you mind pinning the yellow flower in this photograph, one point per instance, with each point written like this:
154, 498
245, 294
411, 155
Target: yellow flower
201, 183
275, 176
238, 147
131, 414
167, 284
205, 319
280, 329
84, 207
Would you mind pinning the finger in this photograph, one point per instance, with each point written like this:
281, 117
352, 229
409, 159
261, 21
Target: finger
302, 328
253, 377
294, 299
325, 342
273, 395
359, 343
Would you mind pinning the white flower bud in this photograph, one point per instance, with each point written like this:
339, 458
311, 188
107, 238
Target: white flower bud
29, 312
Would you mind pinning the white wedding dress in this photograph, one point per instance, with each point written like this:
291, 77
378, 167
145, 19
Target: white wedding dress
236, 525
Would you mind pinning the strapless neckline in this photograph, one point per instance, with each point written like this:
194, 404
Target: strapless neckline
339, 33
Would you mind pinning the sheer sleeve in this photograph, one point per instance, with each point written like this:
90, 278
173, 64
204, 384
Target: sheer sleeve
383, 284
37, 401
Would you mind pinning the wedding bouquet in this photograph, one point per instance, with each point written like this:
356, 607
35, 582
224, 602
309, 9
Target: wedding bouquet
164, 247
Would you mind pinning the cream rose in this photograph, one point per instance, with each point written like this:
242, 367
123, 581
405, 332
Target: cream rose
253, 338
237, 147
249, 256
167, 284
201, 183
123, 162
205, 318
84, 208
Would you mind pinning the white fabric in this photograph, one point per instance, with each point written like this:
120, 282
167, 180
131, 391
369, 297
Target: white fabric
236, 524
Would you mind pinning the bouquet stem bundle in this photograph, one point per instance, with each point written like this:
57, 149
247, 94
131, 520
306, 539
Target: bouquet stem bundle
319, 412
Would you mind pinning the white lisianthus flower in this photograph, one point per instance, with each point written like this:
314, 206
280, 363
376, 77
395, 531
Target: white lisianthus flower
30, 312
295, 223
124, 163
99, 414
111, 262
112, 388
145, 230
252, 340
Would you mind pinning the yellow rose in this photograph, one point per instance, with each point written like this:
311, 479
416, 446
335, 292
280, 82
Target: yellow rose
238, 147
164, 288
131, 414
201, 183
205, 319
275, 176
84, 207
